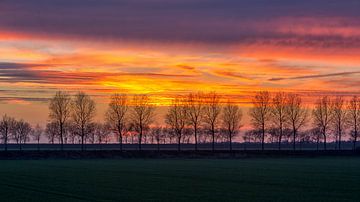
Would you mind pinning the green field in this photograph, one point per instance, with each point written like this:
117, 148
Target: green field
301, 179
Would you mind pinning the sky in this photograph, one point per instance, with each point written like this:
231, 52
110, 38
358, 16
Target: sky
168, 48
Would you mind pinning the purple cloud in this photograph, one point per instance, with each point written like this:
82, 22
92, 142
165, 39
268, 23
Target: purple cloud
203, 21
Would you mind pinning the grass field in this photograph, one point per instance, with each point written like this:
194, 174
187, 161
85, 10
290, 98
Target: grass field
280, 179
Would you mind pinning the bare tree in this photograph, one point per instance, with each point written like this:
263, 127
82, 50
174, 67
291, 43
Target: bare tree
195, 109
278, 115
296, 114
247, 137
36, 133
273, 133
82, 114
339, 114
90, 134
316, 135
322, 116
353, 119
73, 133
7, 125
142, 114
15, 134
231, 118
22, 133
260, 113
101, 132
116, 115
212, 110
157, 133
176, 118
60, 112
51, 131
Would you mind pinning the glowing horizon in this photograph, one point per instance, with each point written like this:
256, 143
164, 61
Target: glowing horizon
172, 48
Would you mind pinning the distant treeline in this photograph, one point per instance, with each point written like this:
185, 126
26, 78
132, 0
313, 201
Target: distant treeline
194, 118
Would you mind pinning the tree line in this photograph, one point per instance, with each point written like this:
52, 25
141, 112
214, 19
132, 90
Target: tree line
193, 118
285, 114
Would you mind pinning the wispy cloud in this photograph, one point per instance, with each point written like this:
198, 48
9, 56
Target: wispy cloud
17, 72
316, 76
233, 74
18, 99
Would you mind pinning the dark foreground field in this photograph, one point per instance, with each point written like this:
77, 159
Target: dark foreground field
255, 179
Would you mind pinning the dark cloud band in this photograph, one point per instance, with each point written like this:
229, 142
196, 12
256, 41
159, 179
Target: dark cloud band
204, 21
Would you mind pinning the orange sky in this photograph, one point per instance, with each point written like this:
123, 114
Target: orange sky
308, 53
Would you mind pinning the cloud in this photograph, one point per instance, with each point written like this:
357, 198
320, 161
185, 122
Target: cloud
23, 100
316, 76
232, 74
18, 72
178, 21
186, 67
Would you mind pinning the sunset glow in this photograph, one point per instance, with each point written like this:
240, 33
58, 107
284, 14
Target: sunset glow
166, 48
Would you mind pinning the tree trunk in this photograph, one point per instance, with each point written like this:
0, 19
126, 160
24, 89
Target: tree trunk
179, 142
61, 137
120, 137
230, 138
263, 137
120, 142
340, 140
82, 139
213, 140
324, 141
82, 142
195, 133
280, 137
355, 139
294, 138
140, 137
5, 141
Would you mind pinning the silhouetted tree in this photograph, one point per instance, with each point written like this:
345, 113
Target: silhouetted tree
296, 114
260, 113
304, 137
176, 118
116, 115
22, 133
167, 133
60, 112
187, 135
83, 112
212, 111
195, 113
316, 135
36, 133
7, 126
51, 131
231, 118
252, 136
339, 115
73, 133
142, 114
101, 132
274, 134
157, 133
322, 116
278, 115
353, 119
